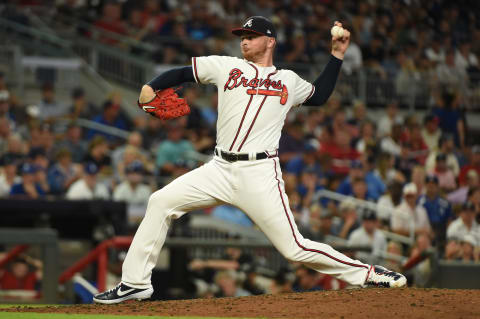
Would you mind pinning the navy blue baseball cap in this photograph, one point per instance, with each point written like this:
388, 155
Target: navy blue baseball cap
356, 164
257, 24
28, 168
91, 168
134, 167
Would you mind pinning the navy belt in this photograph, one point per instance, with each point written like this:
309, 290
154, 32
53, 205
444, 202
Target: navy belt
233, 157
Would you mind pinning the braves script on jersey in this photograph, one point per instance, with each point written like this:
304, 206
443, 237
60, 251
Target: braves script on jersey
253, 101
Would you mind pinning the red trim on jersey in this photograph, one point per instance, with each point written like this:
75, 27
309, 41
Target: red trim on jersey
246, 109
255, 118
310, 95
293, 232
251, 125
195, 69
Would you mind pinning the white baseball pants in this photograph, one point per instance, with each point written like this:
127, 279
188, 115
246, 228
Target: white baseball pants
256, 187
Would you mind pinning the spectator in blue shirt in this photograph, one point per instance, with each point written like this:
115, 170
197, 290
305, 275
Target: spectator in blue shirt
307, 160
28, 187
438, 209
111, 116
63, 173
357, 172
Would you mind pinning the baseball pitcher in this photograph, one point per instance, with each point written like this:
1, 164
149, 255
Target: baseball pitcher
254, 98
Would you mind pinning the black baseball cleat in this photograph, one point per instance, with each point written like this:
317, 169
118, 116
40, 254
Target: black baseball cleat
379, 276
121, 293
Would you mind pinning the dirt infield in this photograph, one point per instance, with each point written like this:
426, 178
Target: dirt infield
358, 303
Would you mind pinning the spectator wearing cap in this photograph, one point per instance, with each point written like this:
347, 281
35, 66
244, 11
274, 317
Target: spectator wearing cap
464, 225
431, 133
460, 195
111, 117
375, 187
474, 164
305, 160
469, 246
29, 187
132, 190
438, 209
446, 177
63, 173
309, 184
409, 217
73, 142
80, 107
8, 175
445, 146
88, 187
370, 236
49, 108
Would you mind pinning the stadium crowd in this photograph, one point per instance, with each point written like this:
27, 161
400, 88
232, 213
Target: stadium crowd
421, 171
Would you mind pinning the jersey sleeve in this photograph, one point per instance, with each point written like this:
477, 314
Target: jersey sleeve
208, 69
303, 90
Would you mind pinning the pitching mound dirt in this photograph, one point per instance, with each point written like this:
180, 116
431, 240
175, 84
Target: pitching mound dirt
358, 303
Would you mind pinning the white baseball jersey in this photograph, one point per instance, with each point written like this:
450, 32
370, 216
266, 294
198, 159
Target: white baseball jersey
253, 101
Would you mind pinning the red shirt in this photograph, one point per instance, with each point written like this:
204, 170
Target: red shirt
462, 177
341, 158
9, 281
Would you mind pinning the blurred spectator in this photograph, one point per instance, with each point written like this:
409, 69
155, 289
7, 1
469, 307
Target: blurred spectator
88, 187
250, 283
111, 117
231, 214
464, 58
392, 143
8, 175
469, 245
474, 164
173, 153
80, 107
385, 169
386, 203
385, 125
352, 61
73, 142
464, 225
5, 132
394, 256
374, 186
418, 150
23, 274
460, 195
63, 173
367, 141
435, 51
369, 235
306, 160
451, 121
320, 223
308, 185
451, 75
98, 153
49, 108
5, 111
445, 146
431, 133
350, 219
418, 178
446, 177
341, 152
306, 279
227, 282
28, 187
282, 283
422, 270
291, 141
409, 217
132, 190
438, 209
111, 21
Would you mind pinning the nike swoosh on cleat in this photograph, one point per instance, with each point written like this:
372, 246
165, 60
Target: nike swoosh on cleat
121, 293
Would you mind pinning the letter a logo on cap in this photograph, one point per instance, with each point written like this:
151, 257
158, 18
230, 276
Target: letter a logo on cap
248, 23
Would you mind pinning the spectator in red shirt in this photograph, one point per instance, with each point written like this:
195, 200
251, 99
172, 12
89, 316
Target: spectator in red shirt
446, 178
20, 276
111, 21
341, 152
417, 147
474, 164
